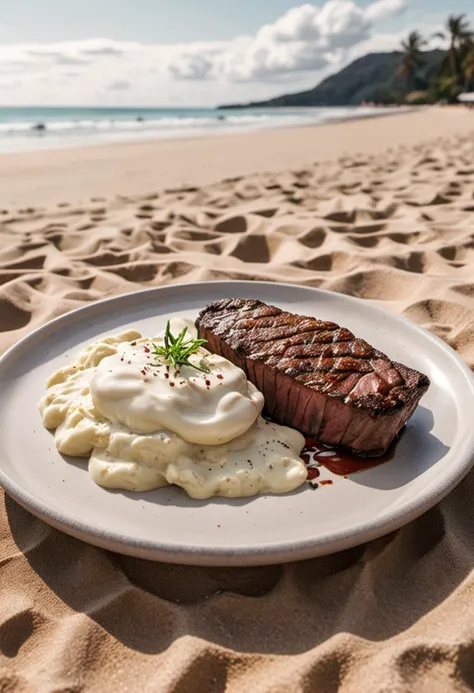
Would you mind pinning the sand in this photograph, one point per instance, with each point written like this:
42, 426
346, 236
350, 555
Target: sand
77, 175
395, 226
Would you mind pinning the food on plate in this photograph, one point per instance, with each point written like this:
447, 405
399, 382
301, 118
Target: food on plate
315, 376
150, 412
203, 398
154, 412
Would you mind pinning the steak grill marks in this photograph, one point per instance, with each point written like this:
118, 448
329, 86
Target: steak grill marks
315, 375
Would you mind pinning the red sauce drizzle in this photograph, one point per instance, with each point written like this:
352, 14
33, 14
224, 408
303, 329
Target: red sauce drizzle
339, 460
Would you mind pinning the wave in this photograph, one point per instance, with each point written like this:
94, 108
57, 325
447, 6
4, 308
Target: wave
50, 132
174, 122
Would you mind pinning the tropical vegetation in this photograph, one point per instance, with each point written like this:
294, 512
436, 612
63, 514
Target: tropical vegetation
412, 58
455, 72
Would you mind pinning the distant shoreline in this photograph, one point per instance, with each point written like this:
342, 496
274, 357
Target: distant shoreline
31, 129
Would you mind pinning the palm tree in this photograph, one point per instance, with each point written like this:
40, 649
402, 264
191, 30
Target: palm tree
457, 31
412, 57
468, 65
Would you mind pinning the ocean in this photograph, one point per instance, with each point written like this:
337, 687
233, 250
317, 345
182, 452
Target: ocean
30, 128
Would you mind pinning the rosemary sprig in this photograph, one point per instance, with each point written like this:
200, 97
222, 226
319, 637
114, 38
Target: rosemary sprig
176, 351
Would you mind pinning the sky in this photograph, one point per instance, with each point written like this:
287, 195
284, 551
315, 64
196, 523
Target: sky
193, 52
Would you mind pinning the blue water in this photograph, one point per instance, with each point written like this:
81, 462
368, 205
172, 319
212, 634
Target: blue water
23, 129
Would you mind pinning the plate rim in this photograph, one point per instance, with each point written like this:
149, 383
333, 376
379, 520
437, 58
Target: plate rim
240, 555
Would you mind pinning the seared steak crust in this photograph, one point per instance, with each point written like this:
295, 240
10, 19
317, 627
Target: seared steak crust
315, 376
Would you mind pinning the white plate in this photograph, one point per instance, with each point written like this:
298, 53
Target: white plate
434, 454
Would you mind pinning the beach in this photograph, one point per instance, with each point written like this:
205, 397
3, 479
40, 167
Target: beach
78, 175
381, 209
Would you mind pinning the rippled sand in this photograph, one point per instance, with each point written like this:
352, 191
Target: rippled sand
394, 615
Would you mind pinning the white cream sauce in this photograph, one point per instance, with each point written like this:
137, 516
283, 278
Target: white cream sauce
204, 433
129, 388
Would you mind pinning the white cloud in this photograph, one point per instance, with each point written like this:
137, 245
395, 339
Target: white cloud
196, 61
119, 85
304, 38
103, 50
384, 8
297, 49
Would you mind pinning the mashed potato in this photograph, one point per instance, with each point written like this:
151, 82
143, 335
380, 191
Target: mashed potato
146, 424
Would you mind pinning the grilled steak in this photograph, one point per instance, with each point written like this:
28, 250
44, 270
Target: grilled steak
315, 376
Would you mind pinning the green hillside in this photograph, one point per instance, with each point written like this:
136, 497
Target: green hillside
370, 78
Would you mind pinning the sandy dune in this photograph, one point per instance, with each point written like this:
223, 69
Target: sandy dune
395, 615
